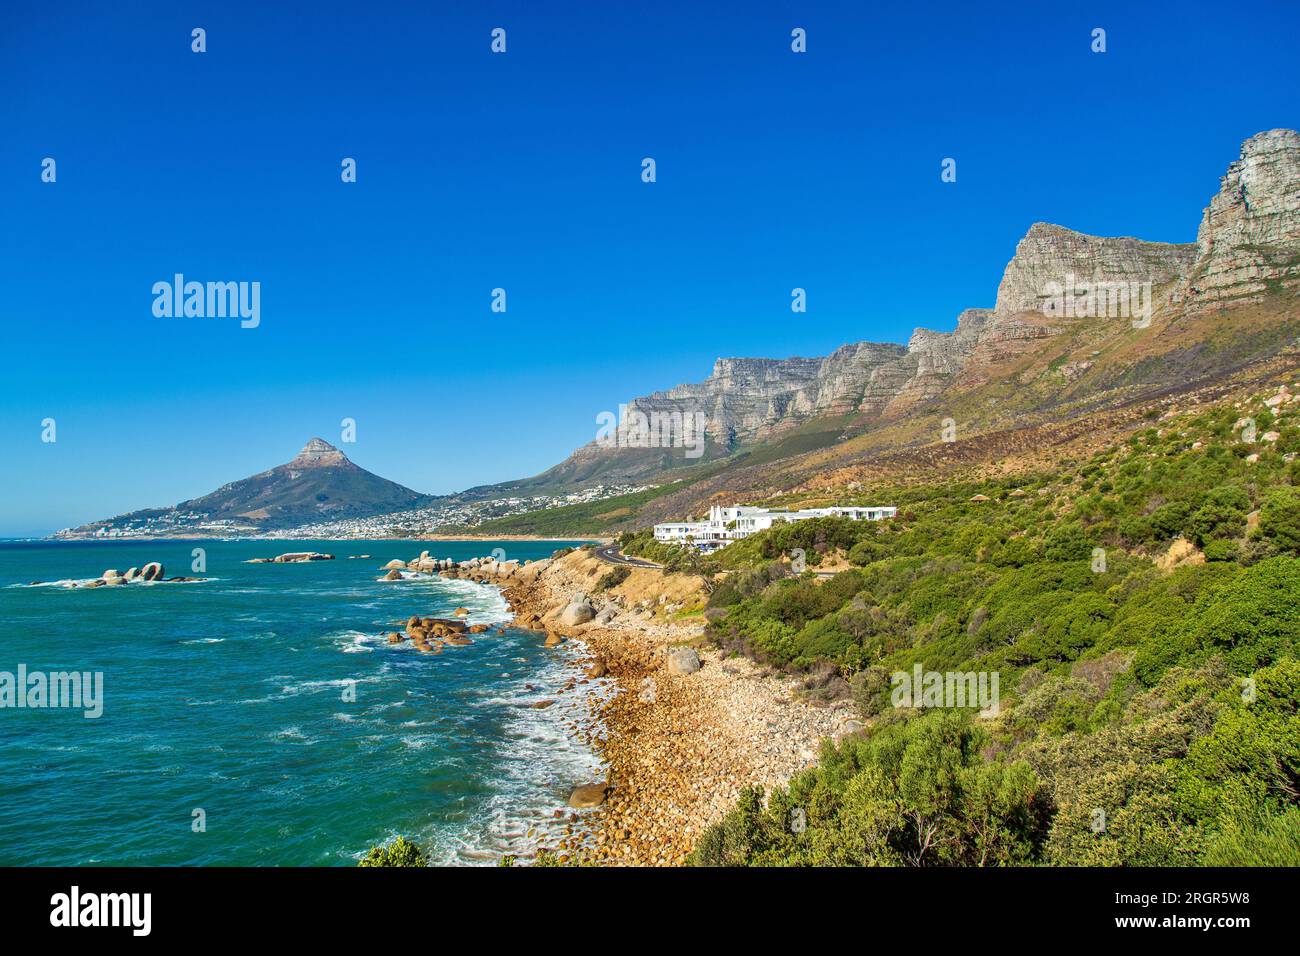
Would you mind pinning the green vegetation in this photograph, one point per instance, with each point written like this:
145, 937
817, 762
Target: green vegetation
612, 579
401, 852
1149, 686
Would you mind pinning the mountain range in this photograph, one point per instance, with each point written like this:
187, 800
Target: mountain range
1034, 369
1247, 251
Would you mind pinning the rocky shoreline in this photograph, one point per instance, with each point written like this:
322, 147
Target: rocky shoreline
684, 730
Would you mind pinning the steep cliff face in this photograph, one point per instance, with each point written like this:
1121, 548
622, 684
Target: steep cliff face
936, 358
1250, 233
1058, 283
1052, 257
743, 400
754, 400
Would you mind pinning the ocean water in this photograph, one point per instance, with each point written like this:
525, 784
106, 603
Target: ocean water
229, 696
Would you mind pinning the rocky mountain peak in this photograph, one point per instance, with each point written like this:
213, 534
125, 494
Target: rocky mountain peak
1250, 229
1053, 255
317, 453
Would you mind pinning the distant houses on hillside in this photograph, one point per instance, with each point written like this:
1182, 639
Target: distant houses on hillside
725, 525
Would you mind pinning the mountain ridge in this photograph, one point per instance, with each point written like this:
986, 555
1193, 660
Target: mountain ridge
1248, 244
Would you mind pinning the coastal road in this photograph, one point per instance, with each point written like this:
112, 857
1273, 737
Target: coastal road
611, 554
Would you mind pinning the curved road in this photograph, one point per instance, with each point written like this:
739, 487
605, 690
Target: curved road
611, 554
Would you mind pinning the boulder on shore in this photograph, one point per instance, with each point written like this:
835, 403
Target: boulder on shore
153, 571
394, 564
393, 575
683, 660
576, 614
460, 611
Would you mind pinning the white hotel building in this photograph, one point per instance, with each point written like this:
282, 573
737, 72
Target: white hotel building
725, 525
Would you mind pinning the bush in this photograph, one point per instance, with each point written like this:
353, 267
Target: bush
400, 852
1279, 519
1223, 514
1272, 841
1220, 550
612, 579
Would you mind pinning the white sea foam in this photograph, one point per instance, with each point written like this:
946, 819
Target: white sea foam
537, 760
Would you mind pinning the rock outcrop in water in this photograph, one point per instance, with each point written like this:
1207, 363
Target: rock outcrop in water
292, 557
431, 634
151, 573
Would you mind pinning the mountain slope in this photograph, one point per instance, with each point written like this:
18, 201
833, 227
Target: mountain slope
319, 483
1079, 323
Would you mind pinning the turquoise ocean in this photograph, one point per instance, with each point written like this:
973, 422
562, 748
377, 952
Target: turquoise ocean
230, 697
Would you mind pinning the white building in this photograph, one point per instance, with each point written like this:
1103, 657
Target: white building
725, 525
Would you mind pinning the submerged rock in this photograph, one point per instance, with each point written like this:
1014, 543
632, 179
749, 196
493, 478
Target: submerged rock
588, 795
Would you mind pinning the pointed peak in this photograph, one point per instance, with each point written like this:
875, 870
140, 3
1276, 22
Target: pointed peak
319, 452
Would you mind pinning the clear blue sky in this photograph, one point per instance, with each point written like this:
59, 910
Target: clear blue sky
522, 170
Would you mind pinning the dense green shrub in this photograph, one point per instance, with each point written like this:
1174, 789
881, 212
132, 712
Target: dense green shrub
1279, 519
401, 852
612, 578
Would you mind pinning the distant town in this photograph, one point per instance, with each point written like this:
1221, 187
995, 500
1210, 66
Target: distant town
448, 518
